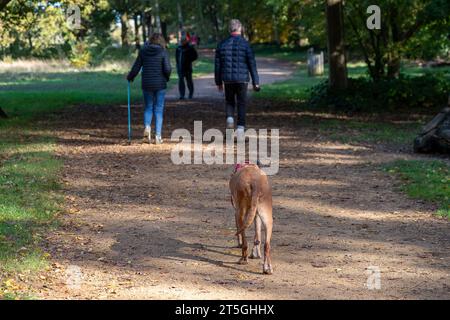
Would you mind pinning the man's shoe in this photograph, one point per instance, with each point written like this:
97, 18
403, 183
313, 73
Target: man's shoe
240, 133
230, 123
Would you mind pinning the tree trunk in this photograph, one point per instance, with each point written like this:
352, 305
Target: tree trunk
124, 30
3, 114
149, 25
276, 33
144, 27
164, 30
336, 46
136, 32
202, 18
393, 67
393, 63
30, 42
180, 21
157, 18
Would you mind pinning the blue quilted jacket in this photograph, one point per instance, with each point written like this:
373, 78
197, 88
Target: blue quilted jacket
234, 62
155, 64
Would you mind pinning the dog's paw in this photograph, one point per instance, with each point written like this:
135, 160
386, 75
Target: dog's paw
243, 261
267, 270
255, 255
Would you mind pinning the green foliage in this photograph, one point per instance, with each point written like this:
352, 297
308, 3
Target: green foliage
427, 180
80, 57
409, 28
407, 93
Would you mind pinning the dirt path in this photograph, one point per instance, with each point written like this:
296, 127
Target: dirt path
143, 228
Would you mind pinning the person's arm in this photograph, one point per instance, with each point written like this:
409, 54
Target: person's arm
217, 68
251, 63
136, 68
167, 68
177, 56
194, 54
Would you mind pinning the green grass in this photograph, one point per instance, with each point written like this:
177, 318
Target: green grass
426, 180
203, 66
29, 202
295, 89
367, 131
28, 169
284, 53
27, 94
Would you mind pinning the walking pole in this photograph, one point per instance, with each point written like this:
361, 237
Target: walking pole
129, 115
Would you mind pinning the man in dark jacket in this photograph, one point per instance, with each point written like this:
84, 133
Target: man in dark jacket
154, 61
233, 63
185, 55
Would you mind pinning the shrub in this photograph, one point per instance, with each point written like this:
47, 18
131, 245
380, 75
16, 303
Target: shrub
80, 57
420, 93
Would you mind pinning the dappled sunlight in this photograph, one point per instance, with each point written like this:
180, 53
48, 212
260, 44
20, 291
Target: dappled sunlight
167, 231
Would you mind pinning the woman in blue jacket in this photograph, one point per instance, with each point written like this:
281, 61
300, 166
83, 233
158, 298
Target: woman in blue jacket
154, 61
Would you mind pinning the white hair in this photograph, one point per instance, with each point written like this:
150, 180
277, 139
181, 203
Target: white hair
234, 25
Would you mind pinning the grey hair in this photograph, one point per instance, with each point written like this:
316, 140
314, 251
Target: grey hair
234, 25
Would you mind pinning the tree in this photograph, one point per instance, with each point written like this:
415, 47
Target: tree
124, 10
336, 46
3, 4
402, 23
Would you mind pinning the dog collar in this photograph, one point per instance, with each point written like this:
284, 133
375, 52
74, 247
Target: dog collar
239, 166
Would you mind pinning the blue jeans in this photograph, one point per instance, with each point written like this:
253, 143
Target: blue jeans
154, 103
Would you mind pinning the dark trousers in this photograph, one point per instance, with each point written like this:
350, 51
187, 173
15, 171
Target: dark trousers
236, 95
181, 85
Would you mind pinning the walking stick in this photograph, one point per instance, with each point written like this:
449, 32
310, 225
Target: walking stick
129, 114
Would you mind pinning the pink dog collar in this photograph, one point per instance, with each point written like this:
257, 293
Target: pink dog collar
239, 166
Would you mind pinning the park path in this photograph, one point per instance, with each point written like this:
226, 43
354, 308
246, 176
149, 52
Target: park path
139, 227
269, 70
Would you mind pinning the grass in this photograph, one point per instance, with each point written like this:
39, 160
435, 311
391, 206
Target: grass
426, 180
25, 94
295, 89
295, 92
292, 90
365, 131
286, 53
29, 203
28, 169
29, 189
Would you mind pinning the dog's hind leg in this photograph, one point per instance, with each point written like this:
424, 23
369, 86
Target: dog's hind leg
256, 252
239, 236
240, 222
267, 220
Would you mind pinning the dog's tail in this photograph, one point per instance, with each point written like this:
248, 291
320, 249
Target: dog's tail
251, 213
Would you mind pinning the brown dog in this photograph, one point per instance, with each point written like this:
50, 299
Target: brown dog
251, 197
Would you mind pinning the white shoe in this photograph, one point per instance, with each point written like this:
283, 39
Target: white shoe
240, 133
158, 140
230, 123
147, 135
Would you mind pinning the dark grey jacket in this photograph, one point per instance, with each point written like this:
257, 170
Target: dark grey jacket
234, 61
155, 63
